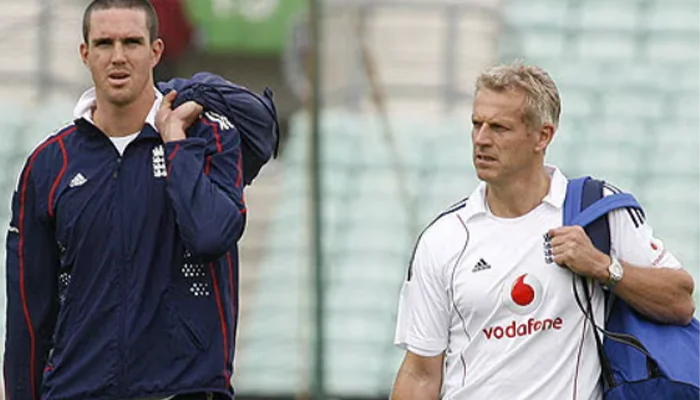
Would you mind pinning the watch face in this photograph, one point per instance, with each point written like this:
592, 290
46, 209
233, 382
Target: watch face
616, 271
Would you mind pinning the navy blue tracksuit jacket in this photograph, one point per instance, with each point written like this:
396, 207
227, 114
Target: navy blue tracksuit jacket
122, 270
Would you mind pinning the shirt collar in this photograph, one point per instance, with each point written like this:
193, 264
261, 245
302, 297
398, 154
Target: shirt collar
86, 105
555, 197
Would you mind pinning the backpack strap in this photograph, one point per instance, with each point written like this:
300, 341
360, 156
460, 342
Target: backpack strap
593, 215
587, 206
600, 208
584, 195
573, 199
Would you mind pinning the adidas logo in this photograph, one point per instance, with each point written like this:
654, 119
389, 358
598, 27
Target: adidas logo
78, 180
481, 265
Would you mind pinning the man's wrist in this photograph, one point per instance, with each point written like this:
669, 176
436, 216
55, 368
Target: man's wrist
602, 271
174, 133
616, 272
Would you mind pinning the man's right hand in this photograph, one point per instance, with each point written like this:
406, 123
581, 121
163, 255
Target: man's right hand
172, 123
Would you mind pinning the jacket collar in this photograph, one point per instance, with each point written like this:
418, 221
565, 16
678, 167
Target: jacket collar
86, 105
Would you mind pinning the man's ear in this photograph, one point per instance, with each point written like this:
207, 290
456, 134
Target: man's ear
157, 47
83, 52
545, 135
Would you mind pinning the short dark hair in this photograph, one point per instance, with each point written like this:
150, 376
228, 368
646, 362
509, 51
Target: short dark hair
145, 5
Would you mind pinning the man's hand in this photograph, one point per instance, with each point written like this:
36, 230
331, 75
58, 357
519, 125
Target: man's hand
573, 249
172, 123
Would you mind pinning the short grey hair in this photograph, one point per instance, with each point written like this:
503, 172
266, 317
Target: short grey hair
542, 102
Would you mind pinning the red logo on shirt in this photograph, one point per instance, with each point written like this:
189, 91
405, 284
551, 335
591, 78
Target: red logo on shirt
524, 294
520, 329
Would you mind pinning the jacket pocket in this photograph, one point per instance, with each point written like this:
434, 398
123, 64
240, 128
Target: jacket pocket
182, 330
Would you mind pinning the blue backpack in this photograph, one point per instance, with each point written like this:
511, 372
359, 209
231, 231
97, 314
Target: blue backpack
640, 358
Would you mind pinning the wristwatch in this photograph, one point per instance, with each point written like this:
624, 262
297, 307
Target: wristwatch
615, 270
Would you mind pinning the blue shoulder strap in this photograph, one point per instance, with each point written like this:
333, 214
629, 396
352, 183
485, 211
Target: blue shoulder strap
572, 202
575, 196
587, 206
605, 205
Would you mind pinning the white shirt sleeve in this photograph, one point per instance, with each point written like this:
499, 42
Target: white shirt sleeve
423, 317
632, 240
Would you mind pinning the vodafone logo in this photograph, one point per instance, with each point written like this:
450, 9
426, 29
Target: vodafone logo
523, 295
515, 329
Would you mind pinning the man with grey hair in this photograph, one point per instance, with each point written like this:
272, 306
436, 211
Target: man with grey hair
487, 310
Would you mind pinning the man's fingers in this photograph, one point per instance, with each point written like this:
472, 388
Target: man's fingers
560, 238
561, 252
555, 234
561, 231
561, 261
191, 110
565, 234
196, 108
168, 99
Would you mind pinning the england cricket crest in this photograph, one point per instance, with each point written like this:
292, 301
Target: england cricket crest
159, 168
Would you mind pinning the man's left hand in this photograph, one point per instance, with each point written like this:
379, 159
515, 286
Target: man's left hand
172, 124
573, 249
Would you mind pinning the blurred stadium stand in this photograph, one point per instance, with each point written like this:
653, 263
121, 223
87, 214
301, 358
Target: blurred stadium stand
629, 77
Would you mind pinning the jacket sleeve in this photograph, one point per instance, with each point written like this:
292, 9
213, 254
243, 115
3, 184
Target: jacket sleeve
32, 263
205, 186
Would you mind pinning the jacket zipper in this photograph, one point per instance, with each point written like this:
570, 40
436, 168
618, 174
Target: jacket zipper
119, 208
123, 270
122, 185
122, 260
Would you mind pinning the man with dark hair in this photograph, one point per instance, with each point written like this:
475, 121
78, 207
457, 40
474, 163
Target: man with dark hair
145, 5
122, 250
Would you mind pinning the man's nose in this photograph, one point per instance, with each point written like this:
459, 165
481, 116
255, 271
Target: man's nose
482, 135
118, 55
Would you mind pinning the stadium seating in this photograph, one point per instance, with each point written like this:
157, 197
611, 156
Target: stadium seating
367, 242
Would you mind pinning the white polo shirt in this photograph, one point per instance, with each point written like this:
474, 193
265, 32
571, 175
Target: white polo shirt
481, 290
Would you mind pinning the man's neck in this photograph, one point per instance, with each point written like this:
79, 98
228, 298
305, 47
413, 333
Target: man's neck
519, 197
119, 121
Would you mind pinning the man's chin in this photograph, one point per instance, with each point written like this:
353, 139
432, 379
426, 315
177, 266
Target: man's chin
119, 99
485, 175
